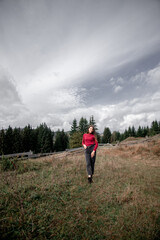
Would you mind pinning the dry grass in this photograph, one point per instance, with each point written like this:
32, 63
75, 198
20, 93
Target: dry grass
52, 200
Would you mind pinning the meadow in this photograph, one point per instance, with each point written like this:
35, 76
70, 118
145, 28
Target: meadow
50, 198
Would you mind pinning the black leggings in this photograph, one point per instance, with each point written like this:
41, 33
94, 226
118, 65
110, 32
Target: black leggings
90, 162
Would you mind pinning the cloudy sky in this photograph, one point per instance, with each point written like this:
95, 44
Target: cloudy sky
64, 59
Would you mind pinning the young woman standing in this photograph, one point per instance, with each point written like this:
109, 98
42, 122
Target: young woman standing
90, 145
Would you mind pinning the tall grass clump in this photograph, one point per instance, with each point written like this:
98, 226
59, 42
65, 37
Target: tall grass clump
8, 163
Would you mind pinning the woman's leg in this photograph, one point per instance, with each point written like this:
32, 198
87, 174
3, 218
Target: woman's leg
88, 162
93, 162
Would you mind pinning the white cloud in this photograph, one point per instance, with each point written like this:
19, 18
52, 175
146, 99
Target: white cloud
117, 89
53, 49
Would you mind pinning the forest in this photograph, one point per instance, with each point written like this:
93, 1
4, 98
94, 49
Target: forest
43, 140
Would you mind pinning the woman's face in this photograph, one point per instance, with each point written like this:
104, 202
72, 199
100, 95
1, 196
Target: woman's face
90, 129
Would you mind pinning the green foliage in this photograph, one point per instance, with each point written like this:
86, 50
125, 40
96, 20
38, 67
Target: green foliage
93, 122
106, 135
74, 127
8, 163
44, 137
76, 140
23, 140
9, 141
62, 140
2, 142
83, 125
154, 128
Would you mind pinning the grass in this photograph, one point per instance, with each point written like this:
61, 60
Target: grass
50, 198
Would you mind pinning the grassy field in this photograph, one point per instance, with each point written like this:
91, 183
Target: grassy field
49, 198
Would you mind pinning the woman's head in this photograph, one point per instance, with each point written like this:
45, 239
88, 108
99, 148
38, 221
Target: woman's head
91, 129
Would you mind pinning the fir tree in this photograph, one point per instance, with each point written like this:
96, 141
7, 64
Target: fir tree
76, 140
106, 135
74, 127
83, 125
2, 142
154, 128
139, 132
93, 122
133, 131
17, 140
9, 141
62, 141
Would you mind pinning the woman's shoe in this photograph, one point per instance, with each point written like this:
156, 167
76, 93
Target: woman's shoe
89, 180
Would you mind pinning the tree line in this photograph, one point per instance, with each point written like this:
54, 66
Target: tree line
39, 140
108, 136
42, 139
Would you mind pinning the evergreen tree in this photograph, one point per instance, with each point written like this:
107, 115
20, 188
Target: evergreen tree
27, 138
9, 141
106, 135
121, 137
139, 132
159, 126
133, 131
129, 132
115, 136
2, 142
74, 127
154, 128
44, 139
98, 138
126, 134
62, 140
17, 140
76, 140
83, 125
93, 122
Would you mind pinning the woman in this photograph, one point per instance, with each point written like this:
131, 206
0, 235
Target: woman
90, 145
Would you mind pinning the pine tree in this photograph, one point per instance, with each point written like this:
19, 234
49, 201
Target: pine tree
139, 132
154, 128
9, 141
76, 140
74, 127
83, 125
93, 122
62, 140
126, 134
44, 139
133, 131
27, 138
2, 142
106, 135
98, 138
17, 140
129, 132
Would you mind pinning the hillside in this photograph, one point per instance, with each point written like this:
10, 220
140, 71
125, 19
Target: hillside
49, 198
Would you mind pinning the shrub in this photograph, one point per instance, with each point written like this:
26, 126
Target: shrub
8, 164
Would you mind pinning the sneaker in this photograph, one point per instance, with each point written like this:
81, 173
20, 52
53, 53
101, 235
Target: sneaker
89, 180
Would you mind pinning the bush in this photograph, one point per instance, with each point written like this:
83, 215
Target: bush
8, 164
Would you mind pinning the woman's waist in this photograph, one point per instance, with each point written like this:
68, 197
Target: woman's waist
90, 145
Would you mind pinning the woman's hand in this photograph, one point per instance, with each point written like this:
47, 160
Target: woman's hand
84, 146
92, 154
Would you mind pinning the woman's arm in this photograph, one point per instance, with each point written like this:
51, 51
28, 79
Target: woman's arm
96, 145
83, 142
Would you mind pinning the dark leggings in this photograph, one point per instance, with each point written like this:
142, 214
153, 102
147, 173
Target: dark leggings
90, 161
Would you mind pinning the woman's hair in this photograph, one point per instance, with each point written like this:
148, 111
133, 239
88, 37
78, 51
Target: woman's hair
94, 132
93, 129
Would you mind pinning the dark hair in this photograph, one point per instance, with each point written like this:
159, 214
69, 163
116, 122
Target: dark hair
93, 129
94, 132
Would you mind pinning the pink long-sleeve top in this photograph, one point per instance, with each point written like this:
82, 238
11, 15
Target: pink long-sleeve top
89, 139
